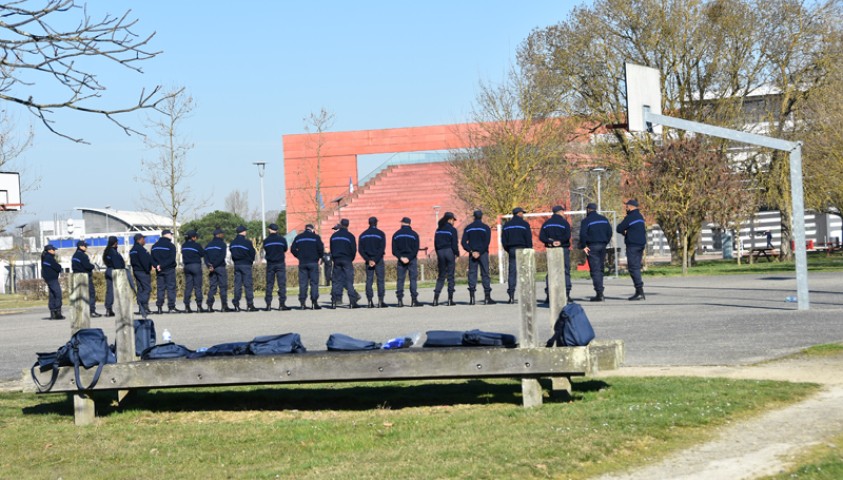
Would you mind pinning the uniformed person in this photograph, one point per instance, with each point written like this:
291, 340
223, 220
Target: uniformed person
405, 247
191, 256
595, 234
343, 251
634, 231
275, 248
243, 255
113, 261
215, 252
141, 262
556, 233
50, 270
81, 263
475, 240
515, 236
372, 247
308, 249
164, 263
447, 247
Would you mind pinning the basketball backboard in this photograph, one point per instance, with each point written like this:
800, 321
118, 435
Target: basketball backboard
10, 191
642, 89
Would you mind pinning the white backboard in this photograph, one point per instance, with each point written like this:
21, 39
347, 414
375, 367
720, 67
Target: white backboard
642, 89
10, 191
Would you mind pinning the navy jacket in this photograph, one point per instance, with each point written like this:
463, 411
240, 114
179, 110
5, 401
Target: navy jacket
308, 247
343, 246
446, 237
192, 252
633, 228
516, 234
140, 259
275, 247
372, 244
80, 263
595, 228
405, 243
242, 251
50, 268
556, 229
215, 253
476, 237
113, 259
164, 254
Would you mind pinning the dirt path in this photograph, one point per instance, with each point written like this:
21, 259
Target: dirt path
760, 446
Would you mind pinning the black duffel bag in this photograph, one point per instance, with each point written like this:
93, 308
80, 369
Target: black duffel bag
337, 342
165, 351
276, 344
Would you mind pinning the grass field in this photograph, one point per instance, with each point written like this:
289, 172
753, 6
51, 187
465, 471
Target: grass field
459, 429
823, 462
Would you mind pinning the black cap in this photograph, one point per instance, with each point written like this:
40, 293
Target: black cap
309, 226
591, 206
166, 231
192, 233
241, 229
336, 227
218, 231
272, 226
405, 220
557, 208
478, 214
112, 240
81, 243
344, 222
138, 236
517, 210
449, 215
632, 202
49, 247
373, 221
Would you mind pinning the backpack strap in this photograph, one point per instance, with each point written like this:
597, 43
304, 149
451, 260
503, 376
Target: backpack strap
46, 386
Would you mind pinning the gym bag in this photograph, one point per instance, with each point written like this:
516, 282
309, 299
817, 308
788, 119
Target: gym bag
572, 328
165, 351
144, 335
337, 342
223, 350
443, 338
478, 338
276, 344
88, 347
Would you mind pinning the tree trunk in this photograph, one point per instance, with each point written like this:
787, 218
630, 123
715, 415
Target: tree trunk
684, 254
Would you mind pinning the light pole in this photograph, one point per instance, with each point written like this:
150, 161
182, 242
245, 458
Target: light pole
261, 168
107, 207
599, 170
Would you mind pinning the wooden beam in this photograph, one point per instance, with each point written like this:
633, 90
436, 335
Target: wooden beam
531, 390
80, 307
558, 299
123, 321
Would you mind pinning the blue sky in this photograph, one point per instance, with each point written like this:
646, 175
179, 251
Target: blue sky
257, 69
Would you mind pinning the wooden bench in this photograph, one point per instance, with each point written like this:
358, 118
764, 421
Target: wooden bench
765, 252
530, 362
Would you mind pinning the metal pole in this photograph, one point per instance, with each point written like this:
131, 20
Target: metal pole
261, 166
599, 202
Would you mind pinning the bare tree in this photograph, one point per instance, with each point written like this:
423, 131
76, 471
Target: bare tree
317, 123
168, 172
57, 41
11, 147
237, 202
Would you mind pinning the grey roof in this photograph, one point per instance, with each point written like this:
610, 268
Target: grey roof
142, 221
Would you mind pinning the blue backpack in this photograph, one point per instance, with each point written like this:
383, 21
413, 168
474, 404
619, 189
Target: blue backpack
87, 348
572, 328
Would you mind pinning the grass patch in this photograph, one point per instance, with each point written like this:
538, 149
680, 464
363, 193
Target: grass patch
459, 429
816, 263
13, 303
824, 350
823, 462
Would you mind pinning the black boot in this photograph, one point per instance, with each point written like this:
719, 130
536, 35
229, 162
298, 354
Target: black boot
597, 298
187, 308
316, 305
303, 304
109, 312
400, 302
415, 302
511, 299
353, 304
451, 300
251, 307
57, 315
268, 307
333, 304
160, 310
210, 308
226, 308
435, 299
52, 314
471, 298
174, 310
236, 307
568, 297
94, 314
639, 294
371, 303
283, 307
381, 304
488, 300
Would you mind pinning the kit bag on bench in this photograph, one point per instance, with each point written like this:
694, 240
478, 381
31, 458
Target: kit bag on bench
144, 335
478, 338
443, 338
572, 328
87, 348
337, 342
276, 344
166, 351
223, 350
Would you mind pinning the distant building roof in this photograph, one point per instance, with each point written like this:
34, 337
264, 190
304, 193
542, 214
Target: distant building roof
131, 221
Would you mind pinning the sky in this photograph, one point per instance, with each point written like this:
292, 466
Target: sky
256, 70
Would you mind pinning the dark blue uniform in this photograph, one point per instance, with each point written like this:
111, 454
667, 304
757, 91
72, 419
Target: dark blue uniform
557, 229
164, 261
343, 251
80, 263
113, 261
275, 247
447, 247
308, 249
405, 243
243, 255
217, 276
141, 262
515, 236
372, 247
476, 238
50, 270
634, 231
595, 233
191, 255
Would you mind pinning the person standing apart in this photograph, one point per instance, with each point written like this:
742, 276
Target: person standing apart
80, 263
556, 233
475, 240
191, 256
308, 249
516, 235
50, 271
343, 251
141, 262
595, 234
405, 247
634, 231
164, 262
243, 255
275, 247
217, 276
113, 261
372, 247
447, 248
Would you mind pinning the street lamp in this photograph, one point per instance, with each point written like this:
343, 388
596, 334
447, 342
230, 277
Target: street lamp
599, 170
261, 168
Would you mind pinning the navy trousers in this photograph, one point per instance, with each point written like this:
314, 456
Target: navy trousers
596, 261
634, 255
167, 282
309, 275
193, 282
243, 281
446, 263
481, 262
54, 289
512, 271
276, 271
144, 283
402, 270
109, 286
371, 272
218, 279
343, 278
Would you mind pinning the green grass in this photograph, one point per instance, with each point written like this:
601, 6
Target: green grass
14, 302
816, 263
824, 350
823, 462
459, 429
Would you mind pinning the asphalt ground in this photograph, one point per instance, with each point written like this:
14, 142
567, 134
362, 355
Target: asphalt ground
722, 320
